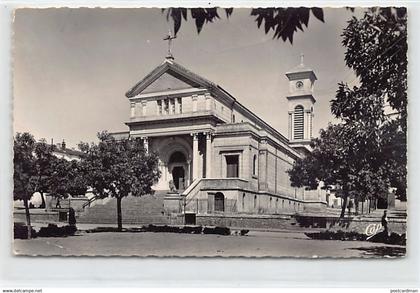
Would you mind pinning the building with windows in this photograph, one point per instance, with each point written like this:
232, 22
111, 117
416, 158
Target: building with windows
215, 155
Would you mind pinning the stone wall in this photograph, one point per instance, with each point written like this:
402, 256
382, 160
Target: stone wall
294, 223
36, 216
241, 199
246, 221
355, 224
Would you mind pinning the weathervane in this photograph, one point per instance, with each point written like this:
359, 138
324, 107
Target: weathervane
169, 38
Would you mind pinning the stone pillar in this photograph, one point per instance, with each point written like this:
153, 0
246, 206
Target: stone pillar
311, 124
196, 156
194, 103
208, 155
307, 134
263, 164
188, 182
146, 143
208, 101
144, 108
132, 109
293, 125
290, 126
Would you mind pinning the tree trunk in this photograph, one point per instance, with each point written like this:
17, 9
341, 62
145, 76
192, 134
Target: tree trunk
43, 200
119, 216
28, 218
356, 206
363, 203
344, 205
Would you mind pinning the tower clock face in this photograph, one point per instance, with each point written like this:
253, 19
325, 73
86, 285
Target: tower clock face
299, 84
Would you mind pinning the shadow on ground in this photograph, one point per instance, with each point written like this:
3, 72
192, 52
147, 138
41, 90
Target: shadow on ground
382, 251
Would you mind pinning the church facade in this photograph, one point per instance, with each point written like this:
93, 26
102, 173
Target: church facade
215, 155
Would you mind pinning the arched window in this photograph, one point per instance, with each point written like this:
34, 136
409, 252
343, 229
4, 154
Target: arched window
254, 165
219, 202
177, 157
255, 201
243, 202
298, 123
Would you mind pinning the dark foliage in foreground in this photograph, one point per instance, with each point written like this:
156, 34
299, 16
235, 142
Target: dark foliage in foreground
282, 22
217, 230
52, 230
381, 237
171, 229
20, 231
393, 238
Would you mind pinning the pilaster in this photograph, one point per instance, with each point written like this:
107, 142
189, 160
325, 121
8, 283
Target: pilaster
196, 156
209, 148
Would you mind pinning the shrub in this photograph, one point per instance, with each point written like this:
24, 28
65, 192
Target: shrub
168, 229
217, 230
244, 232
53, 230
20, 231
192, 229
394, 238
337, 235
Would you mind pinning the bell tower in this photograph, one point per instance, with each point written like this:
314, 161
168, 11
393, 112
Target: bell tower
301, 105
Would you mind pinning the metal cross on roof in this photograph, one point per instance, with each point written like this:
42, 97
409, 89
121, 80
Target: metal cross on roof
169, 38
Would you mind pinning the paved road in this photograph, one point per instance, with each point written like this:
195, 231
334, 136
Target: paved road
257, 243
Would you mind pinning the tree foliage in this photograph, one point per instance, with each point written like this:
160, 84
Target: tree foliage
67, 178
366, 153
283, 22
36, 169
24, 175
24, 166
119, 168
43, 158
377, 52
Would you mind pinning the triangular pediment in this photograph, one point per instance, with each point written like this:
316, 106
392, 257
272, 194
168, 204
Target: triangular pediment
169, 81
167, 77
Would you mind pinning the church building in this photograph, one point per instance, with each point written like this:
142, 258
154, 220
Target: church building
215, 155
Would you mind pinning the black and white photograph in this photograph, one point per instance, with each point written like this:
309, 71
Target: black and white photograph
210, 132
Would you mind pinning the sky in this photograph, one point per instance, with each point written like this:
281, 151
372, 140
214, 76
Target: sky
72, 67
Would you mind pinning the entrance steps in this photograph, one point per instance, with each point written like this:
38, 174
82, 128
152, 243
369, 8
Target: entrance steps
147, 209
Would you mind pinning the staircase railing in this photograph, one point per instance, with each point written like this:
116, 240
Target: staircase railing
191, 192
92, 199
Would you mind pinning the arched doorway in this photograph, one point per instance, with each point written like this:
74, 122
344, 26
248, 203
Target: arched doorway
177, 166
219, 202
178, 176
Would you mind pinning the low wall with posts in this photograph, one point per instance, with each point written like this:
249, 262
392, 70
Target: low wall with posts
248, 221
75, 202
78, 203
354, 224
37, 216
292, 222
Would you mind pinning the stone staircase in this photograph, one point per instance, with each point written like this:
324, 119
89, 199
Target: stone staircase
392, 213
147, 209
